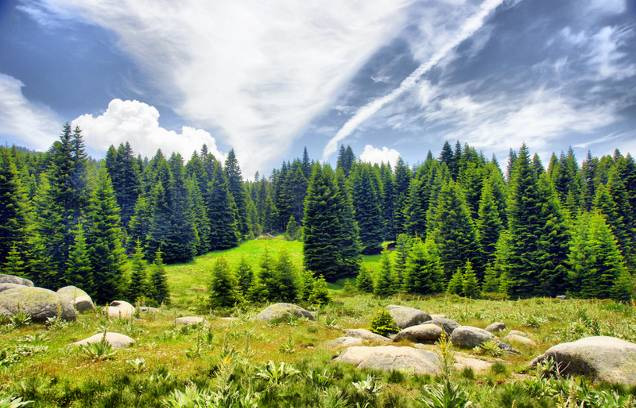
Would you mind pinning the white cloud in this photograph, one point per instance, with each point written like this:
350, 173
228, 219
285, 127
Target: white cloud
372, 154
259, 70
607, 6
606, 55
442, 49
34, 125
138, 123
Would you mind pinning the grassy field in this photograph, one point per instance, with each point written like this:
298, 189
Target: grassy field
225, 363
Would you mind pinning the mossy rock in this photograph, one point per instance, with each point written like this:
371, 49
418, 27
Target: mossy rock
77, 297
15, 280
39, 303
282, 310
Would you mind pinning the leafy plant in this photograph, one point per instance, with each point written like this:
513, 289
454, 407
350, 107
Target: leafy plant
98, 351
20, 319
138, 364
287, 347
275, 374
13, 402
489, 348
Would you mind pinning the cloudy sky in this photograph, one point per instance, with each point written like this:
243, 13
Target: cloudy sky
388, 77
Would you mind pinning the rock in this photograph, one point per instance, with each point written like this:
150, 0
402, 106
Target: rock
77, 297
389, 358
464, 361
148, 309
7, 286
522, 340
496, 327
470, 337
116, 340
282, 310
189, 320
604, 358
561, 297
518, 333
120, 309
345, 341
365, 334
421, 333
15, 280
39, 303
447, 324
405, 316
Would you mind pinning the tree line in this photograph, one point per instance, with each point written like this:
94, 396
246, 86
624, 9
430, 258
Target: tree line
524, 231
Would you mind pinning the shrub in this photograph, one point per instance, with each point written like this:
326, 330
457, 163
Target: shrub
456, 284
319, 292
383, 324
364, 282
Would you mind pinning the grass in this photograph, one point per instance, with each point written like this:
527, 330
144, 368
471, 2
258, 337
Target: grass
238, 362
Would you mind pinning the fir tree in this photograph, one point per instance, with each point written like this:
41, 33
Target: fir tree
124, 172
346, 158
470, 285
224, 287
489, 223
424, 272
79, 271
139, 224
159, 281
402, 248
14, 264
388, 200
491, 280
385, 282
235, 187
199, 216
287, 284
456, 283
245, 277
348, 231
319, 292
291, 232
366, 208
364, 282
402, 181
138, 280
588, 181
267, 287
221, 212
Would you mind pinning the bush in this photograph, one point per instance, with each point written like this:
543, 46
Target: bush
319, 292
364, 282
383, 324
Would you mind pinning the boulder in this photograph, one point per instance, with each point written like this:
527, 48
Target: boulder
189, 320
282, 310
518, 333
389, 358
345, 341
448, 325
604, 358
521, 340
496, 327
405, 316
470, 337
365, 334
463, 361
421, 333
120, 309
7, 286
39, 303
116, 340
148, 309
77, 297
15, 280
561, 297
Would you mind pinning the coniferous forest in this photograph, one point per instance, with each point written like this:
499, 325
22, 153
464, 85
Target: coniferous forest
457, 221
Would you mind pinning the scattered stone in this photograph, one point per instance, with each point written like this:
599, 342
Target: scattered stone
561, 297
120, 309
470, 337
405, 316
389, 358
77, 297
282, 310
39, 303
463, 361
448, 325
496, 327
116, 340
189, 320
15, 280
605, 358
7, 286
421, 333
518, 333
522, 340
148, 309
365, 334
345, 341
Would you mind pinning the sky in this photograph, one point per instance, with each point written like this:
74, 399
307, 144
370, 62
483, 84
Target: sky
390, 78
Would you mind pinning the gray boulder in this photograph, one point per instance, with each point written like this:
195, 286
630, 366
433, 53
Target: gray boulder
496, 327
608, 359
405, 316
39, 303
470, 337
15, 279
448, 325
189, 320
282, 310
120, 309
519, 340
345, 341
421, 333
7, 286
116, 340
365, 334
389, 358
77, 297
518, 333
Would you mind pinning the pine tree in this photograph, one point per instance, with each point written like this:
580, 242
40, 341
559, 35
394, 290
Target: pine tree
456, 283
385, 282
224, 287
287, 283
402, 248
306, 285
291, 232
424, 272
402, 180
470, 285
124, 173
364, 282
199, 217
245, 277
104, 239
159, 281
138, 287
447, 157
79, 271
366, 208
139, 224
588, 180
267, 287
348, 231
622, 225
319, 292
14, 264
223, 224
306, 164
180, 243
491, 280
235, 187
346, 159
489, 223
388, 200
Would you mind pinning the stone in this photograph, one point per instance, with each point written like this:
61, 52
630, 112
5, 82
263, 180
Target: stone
7, 286
120, 309
405, 316
470, 337
496, 327
365, 334
345, 341
116, 340
282, 310
604, 358
389, 358
39, 303
15, 280
463, 361
189, 320
77, 297
448, 325
520, 340
421, 333
148, 309
518, 333
561, 297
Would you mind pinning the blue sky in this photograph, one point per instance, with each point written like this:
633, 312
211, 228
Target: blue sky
388, 77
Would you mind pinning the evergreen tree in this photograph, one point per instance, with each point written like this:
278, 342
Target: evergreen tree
346, 158
179, 244
402, 180
366, 208
402, 248
267, 287
245, 277
489, 223
124, 173
221, 213
138, 287
139, 224
291, 232
159, 281
79, 271
588, 181
287, 284
306, 164
385, 282
456, 283
424, 272
491, 280
470, 285
14, 264
348, 231
364, 282
622, 222
235, 186
447, 157
224, 287
199, 217
319, 292
388, 199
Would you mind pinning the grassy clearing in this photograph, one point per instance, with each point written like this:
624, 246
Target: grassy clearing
173, 366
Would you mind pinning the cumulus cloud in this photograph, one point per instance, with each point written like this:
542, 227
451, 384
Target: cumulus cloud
26, 122
138, 123
260, 71
372, 154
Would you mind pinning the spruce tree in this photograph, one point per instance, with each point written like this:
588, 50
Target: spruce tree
245, 277
139, 224
319, 292
138, 287
364, 282
491, 280
402, 248
588, 181
403, 176
287, 283
267, 287
346, 159
14, 264
388, 200
385, 282
424, 271
180, 243
159, 281
224, 287
199, 217
291, 232
221, 212
456, 283
489, 223
79, 271
470, 285
366, 205
125, 175
622, 224
348, 231
235, 187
